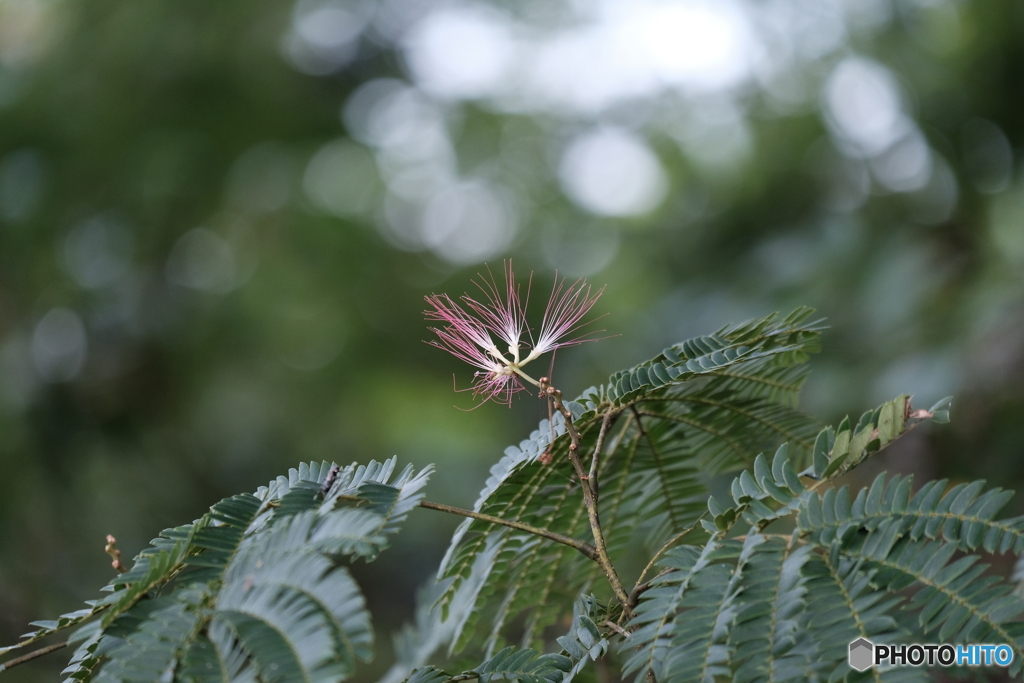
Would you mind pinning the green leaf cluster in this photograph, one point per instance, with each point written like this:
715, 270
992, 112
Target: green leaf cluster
743, 566
255, 590
769, 581
666, 428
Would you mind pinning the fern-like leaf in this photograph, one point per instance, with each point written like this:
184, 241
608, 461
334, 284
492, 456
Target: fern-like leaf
274, 578
963, 515
841, 606
654, 618
253, 590
151, 651
954, 597
764, 636
49, 627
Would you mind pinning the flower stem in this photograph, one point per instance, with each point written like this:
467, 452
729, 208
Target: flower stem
589, 498
516, 369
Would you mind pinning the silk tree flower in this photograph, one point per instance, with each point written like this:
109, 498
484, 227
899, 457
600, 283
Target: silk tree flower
468, 330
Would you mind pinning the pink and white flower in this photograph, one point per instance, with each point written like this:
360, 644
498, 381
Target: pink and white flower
469, 334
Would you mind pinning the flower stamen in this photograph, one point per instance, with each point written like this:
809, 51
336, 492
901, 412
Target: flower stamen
467, 334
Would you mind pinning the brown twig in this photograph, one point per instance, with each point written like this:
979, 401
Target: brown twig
548, 455
743, 537
589, 499
32, 655
638, 590
595, 459
582, 546
111, 549
615, 627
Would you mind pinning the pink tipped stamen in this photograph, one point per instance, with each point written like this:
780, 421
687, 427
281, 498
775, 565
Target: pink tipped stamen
452, 341
460, 323
504, 314
563, 314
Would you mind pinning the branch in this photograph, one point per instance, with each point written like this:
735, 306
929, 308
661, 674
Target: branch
668, 544
32, 655
615, 627
596, 457
584, 547
589, 498
640, 588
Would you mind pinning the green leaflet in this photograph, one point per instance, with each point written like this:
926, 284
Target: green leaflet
683, 624
841, 606
151, 650
954, 600
45, 628
655, 615
764, 636
791, 335
159, 568
428, 674
216, 656
584, 642
276, 582
963, 515
85, 658
526, 666
836, 451
766, 493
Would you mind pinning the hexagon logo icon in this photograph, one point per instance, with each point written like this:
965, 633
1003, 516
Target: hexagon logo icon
861, 654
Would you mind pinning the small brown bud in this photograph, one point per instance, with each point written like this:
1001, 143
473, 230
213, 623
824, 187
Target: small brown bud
115, 554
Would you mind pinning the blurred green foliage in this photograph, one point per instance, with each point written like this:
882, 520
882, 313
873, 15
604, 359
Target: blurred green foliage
204, 280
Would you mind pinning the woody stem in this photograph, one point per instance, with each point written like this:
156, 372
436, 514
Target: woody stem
589, 499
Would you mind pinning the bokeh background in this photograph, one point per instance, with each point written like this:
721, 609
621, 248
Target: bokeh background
218, 221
